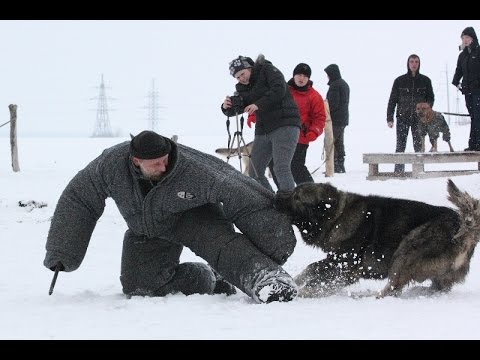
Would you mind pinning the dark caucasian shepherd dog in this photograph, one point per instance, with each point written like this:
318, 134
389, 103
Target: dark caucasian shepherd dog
375, 237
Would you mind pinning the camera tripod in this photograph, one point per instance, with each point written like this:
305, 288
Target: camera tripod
236, 144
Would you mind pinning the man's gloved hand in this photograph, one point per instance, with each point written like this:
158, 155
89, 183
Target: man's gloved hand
54, 267
311, 136
252, 119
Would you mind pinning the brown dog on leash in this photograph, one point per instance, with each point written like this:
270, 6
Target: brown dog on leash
432, 123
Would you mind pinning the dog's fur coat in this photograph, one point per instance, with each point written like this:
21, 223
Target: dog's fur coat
375, 237
244, 152
432, 123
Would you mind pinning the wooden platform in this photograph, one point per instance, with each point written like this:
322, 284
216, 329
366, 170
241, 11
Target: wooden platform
418, 160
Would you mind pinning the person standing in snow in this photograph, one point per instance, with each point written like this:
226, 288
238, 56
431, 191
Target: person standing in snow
172, 196
312, 114
263, 90
468, 70
338, 97
407, 91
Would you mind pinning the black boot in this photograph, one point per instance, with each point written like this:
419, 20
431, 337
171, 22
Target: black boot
399, 170
222, 286
338, 166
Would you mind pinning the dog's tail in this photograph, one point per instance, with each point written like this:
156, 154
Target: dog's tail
469, 209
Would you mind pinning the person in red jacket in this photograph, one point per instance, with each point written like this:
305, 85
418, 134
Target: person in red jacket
312, 114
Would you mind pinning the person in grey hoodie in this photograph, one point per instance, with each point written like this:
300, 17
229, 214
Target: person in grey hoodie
172, 196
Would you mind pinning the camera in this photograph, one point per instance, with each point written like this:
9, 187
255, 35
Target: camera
237, 103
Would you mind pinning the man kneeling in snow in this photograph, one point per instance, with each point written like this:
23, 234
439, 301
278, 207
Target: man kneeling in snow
172, 196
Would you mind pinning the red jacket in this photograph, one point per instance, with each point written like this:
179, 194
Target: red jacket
312, 111
311, 108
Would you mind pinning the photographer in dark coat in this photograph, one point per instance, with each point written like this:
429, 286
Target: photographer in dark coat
407, 91
468, 70
173, 196
264, 91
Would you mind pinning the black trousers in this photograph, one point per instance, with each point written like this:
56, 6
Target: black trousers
339, 152
473, 105
403, 126
151, 266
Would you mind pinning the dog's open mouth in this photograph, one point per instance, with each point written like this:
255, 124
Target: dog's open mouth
308, 229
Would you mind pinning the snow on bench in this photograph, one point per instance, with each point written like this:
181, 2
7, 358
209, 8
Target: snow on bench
418, 160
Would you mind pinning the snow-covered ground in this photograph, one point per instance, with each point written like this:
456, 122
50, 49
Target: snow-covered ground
89, 304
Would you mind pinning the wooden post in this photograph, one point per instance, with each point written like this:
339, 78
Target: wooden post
328, 145
13, 137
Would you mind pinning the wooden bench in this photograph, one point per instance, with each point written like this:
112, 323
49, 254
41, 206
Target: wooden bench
418, 160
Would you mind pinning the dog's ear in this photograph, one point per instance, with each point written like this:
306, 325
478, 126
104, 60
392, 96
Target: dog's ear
131, 136
326, 194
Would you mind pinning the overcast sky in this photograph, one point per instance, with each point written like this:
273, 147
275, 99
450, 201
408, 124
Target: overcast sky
51, 69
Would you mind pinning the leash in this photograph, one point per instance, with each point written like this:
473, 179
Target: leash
5, 123
456, 114
318, 168
323, 158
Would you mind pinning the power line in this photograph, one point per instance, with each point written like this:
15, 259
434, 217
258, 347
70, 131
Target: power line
102, 125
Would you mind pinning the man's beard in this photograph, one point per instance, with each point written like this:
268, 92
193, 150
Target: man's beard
150, 176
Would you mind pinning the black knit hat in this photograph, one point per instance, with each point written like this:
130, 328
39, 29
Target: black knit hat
304, 69
470, 32
149, 145
240, 63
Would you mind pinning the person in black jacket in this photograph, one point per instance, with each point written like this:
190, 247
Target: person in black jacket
468, 69
338, 97
264, 91
407, 91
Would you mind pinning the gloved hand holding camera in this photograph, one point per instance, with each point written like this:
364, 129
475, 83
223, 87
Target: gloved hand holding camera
237, 103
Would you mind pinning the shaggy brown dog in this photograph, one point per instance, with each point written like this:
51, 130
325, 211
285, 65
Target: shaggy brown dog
375, 237
243, 152
432, 123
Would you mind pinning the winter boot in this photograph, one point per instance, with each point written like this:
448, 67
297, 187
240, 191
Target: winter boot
275, 285
399, 170
338, 166
222, 286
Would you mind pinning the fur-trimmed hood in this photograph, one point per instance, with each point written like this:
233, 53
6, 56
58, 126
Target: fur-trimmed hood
260, 59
